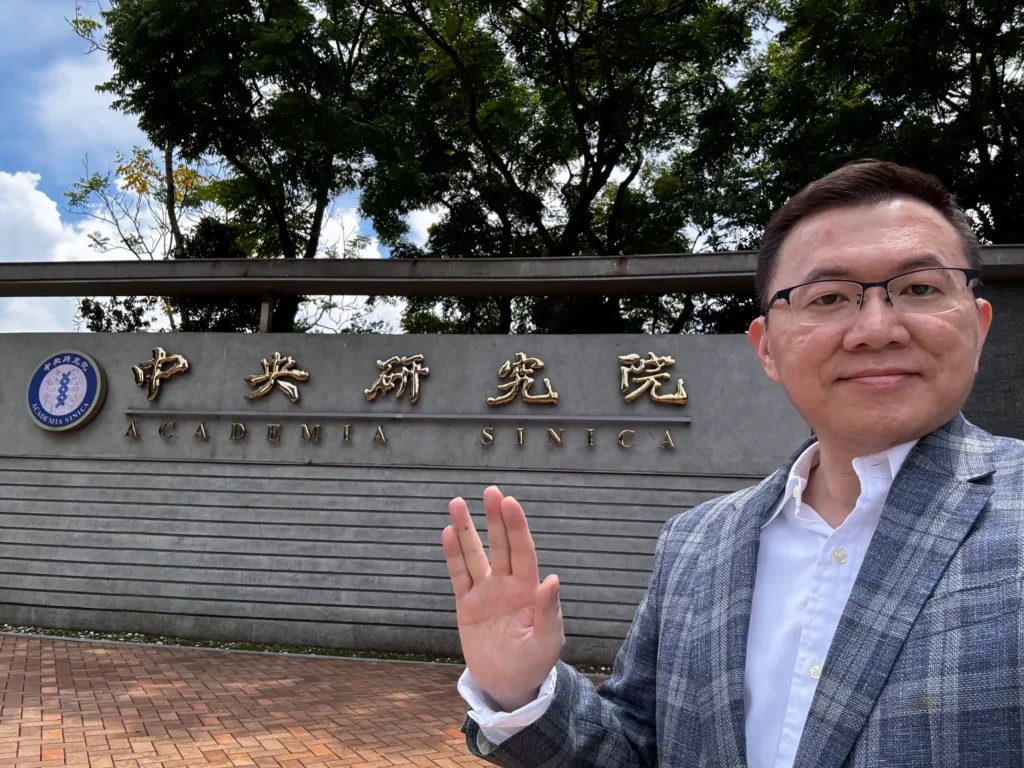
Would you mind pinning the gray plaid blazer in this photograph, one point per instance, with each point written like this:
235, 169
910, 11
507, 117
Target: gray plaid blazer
924, 669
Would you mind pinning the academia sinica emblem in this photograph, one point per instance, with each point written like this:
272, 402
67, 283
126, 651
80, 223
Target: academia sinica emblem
66, 391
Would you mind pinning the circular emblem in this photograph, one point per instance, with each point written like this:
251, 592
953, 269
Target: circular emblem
66, 391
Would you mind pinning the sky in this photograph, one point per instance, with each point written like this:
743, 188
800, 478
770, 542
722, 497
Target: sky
51, 121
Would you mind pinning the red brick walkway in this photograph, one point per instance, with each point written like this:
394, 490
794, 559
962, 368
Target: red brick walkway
133, 706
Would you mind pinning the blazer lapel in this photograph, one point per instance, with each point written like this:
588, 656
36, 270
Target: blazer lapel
933, 502
722, 600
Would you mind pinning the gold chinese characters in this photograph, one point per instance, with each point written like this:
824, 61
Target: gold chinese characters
157, 370
521, 380
399, 374
407, 376
273, 372
653, 374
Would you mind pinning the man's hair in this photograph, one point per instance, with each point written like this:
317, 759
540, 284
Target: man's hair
862, 182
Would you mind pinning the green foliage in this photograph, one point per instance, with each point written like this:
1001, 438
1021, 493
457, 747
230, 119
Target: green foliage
269, 90
266, 87
152, 213
535, 127
212, 239
455, 315
118, 314
935, 84
543, 128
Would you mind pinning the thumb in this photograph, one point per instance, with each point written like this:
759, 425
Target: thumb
547, 614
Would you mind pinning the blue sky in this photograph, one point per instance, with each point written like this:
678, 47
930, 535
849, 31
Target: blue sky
51, 118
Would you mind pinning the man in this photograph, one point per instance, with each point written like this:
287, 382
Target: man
861, 606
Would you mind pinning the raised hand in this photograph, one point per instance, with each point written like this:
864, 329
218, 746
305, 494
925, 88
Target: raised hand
510, 624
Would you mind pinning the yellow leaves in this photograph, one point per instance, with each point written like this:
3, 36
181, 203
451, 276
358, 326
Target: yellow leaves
138, 173
142, 176
83, 26
186, 180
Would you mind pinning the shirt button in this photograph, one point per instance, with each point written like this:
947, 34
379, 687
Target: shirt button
839, 555
815, 671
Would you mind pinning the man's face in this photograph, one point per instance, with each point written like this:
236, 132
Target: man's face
881, 377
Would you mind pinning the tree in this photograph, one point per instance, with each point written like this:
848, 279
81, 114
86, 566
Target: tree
936, 84
542, 128
536, 128
153, 213
140, 209
213, 239
268, 90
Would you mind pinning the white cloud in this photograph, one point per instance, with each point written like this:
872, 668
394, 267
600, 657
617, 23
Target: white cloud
37, 315
73, 119
30, 224
31, 230
420, 222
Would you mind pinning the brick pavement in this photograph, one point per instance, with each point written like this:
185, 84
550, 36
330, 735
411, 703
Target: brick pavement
106, 705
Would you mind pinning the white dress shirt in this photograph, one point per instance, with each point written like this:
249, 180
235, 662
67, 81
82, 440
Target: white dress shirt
805, 572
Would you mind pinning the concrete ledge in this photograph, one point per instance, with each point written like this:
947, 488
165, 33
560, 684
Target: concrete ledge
385, 277
668, 273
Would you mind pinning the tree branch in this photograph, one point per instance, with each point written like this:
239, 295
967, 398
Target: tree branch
620, 196
566, 74
277, 211
530, 203
350, 69
997, 101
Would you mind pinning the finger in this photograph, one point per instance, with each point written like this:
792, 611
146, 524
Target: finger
461, 581
469, 539
547, 612
497, 536
520, 542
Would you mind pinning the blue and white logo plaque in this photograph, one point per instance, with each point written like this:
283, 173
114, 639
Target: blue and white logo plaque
67, 390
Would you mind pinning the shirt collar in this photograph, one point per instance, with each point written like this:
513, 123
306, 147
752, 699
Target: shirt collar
879, 466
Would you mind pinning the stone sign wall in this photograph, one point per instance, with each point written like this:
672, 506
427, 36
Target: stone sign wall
293, 488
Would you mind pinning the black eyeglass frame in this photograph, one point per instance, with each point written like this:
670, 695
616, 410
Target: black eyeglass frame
783, 295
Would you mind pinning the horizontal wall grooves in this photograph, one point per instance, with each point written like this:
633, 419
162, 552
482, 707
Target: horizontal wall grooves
237, 467
404, 519
345, 556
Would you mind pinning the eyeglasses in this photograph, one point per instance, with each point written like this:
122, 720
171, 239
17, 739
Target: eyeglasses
930, 291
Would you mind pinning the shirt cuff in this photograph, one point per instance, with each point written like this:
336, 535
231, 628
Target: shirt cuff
497, 726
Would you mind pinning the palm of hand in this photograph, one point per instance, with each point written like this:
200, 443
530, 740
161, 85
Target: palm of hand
510, 624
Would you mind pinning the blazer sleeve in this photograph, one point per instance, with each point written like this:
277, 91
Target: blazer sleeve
612, 725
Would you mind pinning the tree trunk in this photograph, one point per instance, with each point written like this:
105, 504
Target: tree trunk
685, 315
171, 203
505, 309
285, 311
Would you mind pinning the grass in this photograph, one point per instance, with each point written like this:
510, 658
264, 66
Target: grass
310, 650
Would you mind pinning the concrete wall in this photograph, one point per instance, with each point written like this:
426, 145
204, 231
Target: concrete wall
997, 401
337, 543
